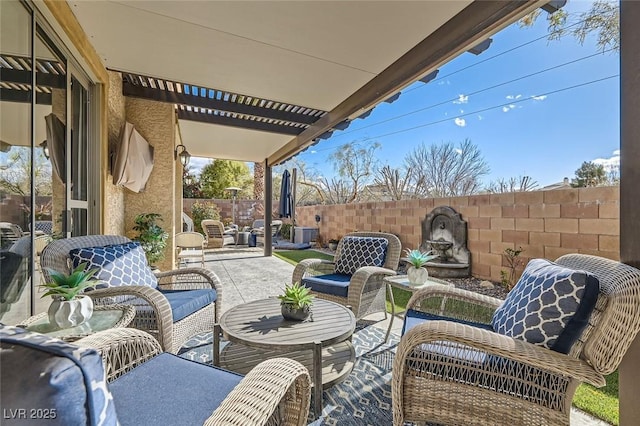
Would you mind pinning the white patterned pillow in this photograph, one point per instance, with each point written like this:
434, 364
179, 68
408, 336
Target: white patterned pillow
357, 252
549, 306
117, 264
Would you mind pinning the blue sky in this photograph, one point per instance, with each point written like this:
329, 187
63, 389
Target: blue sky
524, 132
521, 128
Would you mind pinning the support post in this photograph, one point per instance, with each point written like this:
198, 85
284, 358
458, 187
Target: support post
268, 208
629, 178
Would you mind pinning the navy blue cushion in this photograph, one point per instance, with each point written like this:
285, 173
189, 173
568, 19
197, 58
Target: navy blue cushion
357, 252
335, 284
413, 318
549, 306
185, 302
169, 390
117, 264
64, 382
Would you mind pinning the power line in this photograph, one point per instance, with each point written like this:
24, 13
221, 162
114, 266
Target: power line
471, 93
512, 102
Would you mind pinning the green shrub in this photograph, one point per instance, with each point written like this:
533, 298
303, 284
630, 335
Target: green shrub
285, 230
202, 210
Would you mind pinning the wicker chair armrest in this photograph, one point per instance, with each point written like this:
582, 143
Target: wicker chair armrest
317, 266
361, 278
122, 349
156, 300
277, 384
189, 279
448, 291
493, 343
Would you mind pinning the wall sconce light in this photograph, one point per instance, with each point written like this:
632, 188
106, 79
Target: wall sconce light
188, 180
318, 218
183, 154
45, 148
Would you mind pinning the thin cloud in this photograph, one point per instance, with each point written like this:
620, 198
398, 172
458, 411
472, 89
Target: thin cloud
510, 97
611, 163
508, 108
480, 117
461, 122
539, 98
459, 151
197, 164
442, 82
313, 151
462, 99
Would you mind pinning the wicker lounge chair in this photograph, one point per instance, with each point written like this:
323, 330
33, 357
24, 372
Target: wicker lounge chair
133, 383
454, 369
168, 312
217, 237
351, 279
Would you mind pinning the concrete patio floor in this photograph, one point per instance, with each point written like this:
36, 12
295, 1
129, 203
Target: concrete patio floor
247, 275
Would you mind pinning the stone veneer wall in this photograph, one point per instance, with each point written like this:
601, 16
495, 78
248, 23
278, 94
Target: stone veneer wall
155, 121
113, 210
546, 224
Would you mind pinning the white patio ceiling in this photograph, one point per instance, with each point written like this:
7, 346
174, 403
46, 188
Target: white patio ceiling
324, 55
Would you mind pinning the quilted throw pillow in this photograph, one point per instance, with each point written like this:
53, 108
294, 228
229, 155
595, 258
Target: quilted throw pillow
357, 252
549, 306
118, 264
65, 382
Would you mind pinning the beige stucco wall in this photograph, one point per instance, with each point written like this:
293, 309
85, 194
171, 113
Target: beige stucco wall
156, 123
545, 224
113, 212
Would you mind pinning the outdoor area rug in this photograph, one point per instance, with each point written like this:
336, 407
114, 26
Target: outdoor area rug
363, 398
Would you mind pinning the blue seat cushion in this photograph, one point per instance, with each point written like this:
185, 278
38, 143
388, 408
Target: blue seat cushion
549, 306
185, 302
164, 391
334, 284
413, 318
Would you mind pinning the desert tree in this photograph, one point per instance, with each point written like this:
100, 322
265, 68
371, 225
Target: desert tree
395, 182
590, 174
446, 169
355, 164
513, 184
602, 19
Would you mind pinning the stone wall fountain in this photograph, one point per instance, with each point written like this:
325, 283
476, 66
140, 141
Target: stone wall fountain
445, 234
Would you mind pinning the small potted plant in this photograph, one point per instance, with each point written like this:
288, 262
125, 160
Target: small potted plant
70, 308
296, 302
152, 237
333, 243
417, 273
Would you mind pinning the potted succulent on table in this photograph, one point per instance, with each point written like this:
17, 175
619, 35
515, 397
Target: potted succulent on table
70, 308
417, 273
296, 302
333, 243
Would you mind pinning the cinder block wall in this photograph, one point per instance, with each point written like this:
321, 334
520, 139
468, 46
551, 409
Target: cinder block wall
545, 224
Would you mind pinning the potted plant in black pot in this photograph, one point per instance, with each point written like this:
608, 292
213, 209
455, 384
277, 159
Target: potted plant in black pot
151, 236
296, 302
70, 308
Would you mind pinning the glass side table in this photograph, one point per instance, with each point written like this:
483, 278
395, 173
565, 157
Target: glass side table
103, 318
402, 282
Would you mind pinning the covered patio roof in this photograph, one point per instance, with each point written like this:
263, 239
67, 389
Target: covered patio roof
272, 77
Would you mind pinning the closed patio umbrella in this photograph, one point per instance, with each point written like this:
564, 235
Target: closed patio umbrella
285, 206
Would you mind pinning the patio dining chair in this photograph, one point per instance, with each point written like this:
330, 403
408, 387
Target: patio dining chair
189, 245
355, 276
217, 237
172, 305
470, 359
120, 376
